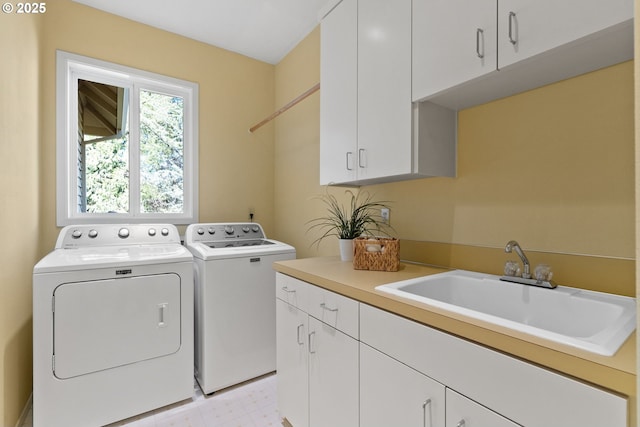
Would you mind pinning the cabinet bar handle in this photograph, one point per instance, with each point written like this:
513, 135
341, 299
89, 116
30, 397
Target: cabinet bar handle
311, 350
424, 413
349, 154
479, 35
324, 307
287, 290
361, 164
512, 39
300, 326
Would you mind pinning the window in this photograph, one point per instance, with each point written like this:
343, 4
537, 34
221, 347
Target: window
126, 144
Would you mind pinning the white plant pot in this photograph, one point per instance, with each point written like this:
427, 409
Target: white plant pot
346, 249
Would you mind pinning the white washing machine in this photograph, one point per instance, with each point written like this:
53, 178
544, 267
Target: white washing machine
112, 324
235, 302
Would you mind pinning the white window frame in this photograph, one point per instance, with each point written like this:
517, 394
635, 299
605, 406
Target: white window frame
71, 67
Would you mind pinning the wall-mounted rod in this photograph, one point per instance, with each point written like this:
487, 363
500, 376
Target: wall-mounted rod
285, 108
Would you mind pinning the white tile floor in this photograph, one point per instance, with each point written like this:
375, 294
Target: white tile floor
251, 404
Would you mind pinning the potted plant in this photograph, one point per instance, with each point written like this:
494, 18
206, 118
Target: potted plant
359, 216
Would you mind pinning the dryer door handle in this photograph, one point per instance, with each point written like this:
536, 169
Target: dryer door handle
161, 314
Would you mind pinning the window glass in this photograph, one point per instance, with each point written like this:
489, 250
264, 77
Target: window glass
161, 152
126, 144
106, 181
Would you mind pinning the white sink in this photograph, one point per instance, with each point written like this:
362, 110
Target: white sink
592, 321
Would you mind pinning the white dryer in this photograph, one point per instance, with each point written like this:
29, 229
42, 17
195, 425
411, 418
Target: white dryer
112, 324
235, 302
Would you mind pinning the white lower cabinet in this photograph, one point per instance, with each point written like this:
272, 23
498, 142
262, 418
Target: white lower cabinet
317, 355
464, 412
492, 383
333, 377
292, 363
393, 394
346, 364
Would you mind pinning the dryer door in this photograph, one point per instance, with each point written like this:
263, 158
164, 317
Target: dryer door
103, 324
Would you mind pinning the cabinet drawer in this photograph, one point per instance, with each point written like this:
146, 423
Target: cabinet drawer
293, 291
465, 412
335, 310
522, 392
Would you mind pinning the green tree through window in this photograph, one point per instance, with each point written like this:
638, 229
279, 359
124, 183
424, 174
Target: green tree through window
161, 152
161, 161
107, 176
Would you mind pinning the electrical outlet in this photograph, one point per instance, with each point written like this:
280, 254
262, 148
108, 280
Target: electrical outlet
384, 213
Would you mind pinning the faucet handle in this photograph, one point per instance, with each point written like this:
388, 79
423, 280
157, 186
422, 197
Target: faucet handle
543, 273
511, 268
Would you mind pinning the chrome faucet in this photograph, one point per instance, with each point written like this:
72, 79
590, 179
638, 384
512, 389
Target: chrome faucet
544, 281
514, 246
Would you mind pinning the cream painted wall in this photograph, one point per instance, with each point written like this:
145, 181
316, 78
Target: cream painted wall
552, 168
297, 141
19, 135
297, 136
236, 167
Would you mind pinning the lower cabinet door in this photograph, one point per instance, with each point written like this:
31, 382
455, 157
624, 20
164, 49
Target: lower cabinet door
333, 377
292, 364
464, 412
393, 394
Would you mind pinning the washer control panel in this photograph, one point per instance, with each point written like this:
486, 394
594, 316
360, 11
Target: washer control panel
224, 231
74, 236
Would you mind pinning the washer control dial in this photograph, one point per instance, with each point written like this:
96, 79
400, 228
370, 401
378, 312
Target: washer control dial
200, 231
152, 232
123, 233
76, 234
164, 231
228, 229
93, 233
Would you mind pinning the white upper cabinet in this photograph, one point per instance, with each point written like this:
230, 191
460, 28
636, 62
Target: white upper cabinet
339, 93
468, 53
384, 88
531, 27
369, 130
453, 41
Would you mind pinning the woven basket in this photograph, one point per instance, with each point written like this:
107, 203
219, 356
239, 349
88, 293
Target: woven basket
378, 254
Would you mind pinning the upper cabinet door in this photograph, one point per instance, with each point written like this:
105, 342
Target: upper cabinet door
384, 88
454, 41
338, 93
530, 27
